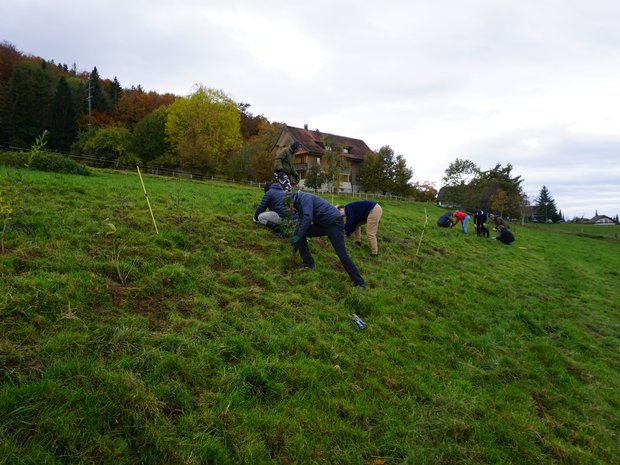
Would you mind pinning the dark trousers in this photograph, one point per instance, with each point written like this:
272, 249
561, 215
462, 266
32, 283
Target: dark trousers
335, 233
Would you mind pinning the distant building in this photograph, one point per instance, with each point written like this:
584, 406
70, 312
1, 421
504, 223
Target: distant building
316, 144
602, 219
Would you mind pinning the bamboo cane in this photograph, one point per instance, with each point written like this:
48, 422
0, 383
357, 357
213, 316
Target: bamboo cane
422, 235
147, 200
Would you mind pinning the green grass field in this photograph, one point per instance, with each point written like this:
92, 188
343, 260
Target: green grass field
205, 345
587, 230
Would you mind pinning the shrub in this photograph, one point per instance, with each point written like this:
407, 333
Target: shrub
44, 161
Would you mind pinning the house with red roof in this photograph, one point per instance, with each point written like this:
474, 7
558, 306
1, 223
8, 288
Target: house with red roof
316, 144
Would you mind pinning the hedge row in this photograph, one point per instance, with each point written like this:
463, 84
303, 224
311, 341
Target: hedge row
43, 161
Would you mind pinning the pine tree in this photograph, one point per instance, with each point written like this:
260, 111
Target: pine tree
545, 207
63, 128
100, 100
115, 92
401, 177
30, 97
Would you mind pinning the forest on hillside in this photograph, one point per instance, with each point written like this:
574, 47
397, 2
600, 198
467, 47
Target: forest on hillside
81, 113
97, 120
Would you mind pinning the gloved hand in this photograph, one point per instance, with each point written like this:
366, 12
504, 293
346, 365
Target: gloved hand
294, 239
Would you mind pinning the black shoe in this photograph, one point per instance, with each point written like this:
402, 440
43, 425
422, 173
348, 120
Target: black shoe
374, 255
358, 243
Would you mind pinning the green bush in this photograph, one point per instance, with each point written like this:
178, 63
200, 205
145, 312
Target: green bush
44, 161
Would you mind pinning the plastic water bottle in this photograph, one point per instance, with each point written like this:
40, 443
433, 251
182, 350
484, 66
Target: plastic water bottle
358, 321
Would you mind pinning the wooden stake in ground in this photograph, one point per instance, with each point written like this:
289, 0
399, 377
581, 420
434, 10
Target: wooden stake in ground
422, 235
147, 200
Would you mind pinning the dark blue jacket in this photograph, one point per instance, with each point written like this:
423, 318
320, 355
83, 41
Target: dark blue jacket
313, 209
445, 220
357, 213
274, 201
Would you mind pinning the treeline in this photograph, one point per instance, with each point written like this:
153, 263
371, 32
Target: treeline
205, 133
494, 190
97, 119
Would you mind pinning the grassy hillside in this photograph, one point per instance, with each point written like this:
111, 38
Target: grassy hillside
205, 345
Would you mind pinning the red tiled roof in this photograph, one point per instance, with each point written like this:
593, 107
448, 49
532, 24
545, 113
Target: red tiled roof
313, 142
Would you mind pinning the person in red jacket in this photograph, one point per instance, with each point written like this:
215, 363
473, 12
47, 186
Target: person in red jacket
463, 218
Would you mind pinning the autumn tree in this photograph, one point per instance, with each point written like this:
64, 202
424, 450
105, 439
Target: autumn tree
134, 104
499, 201
250, 124
424, 191
203, 129
261, 158
254, 160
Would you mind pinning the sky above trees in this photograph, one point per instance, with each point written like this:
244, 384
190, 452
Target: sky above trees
530, 83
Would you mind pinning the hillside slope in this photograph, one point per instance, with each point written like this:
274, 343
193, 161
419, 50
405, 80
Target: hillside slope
205, 343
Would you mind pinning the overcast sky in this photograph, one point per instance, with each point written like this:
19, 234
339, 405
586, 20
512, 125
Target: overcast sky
534, 83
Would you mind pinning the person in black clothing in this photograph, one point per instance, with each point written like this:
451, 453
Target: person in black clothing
317, 217
480, 220
505, 235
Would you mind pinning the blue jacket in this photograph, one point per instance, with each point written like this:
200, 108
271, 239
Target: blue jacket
313, 209
274, 201
445, 219
357, 213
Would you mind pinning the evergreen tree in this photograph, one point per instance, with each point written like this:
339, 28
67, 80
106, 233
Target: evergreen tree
378, 172
30, 97
115, 93
371, 174
401, 176
62, 125
100, 100
545, 207
9, 56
